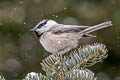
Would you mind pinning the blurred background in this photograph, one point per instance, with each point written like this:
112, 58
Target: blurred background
20, 50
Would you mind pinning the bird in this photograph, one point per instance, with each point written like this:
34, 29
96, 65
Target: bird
59, 38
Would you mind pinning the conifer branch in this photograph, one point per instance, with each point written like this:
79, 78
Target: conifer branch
83, 74
72, 66
58, 66
87, 56
35, 76
2, 78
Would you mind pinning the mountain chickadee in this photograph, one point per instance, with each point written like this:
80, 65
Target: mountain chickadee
60, 38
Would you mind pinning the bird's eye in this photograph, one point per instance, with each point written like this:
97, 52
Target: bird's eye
42, 23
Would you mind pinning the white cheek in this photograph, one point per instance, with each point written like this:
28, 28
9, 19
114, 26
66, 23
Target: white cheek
43, 29
59, 42
38, 29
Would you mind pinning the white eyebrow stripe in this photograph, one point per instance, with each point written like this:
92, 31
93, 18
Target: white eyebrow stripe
37, 24
41, 22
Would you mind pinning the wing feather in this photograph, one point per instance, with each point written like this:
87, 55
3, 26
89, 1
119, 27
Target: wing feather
67, 28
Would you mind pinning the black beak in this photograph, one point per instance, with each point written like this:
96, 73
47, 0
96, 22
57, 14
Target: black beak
38, 34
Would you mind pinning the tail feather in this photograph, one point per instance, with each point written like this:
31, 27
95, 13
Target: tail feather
97, 27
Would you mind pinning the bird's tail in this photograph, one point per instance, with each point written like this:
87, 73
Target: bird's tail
97, 27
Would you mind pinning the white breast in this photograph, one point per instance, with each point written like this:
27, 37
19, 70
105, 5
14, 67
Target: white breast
47, 45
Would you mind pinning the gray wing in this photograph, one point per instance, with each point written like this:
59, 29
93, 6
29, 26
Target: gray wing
60, 28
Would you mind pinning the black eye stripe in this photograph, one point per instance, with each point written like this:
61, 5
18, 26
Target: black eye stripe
42, 24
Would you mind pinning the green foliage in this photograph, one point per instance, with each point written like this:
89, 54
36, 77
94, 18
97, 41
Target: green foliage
2, 78
35, 76
78, 74
72, 66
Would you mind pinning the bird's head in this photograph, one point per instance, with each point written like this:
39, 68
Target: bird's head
43, 26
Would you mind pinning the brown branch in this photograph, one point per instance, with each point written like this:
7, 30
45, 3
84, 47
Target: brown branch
57, 70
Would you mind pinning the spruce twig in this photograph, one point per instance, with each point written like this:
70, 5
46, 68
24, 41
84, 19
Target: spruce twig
72, 66
2, 78
95, 54
80, 58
